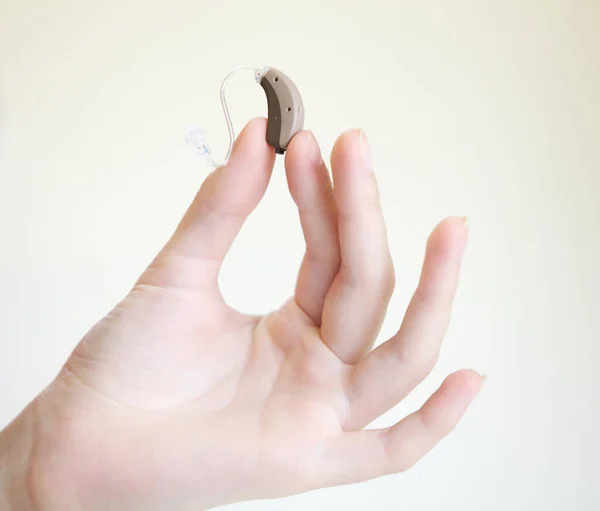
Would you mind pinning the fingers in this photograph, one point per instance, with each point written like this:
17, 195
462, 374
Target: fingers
312, 191
394, 369
372, 453
194, 254
358, 298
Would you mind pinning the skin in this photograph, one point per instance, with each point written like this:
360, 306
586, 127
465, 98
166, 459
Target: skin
176, 401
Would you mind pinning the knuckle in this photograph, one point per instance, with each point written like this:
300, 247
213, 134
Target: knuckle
389, 283
421, 363
398, 457
404, 464
375, 279
425, 365
439, 425
422, 297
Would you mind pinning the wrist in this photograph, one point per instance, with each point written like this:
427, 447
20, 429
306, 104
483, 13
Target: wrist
16, 443
35, 469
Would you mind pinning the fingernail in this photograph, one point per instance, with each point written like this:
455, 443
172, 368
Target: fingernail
311, 148
365, 149
465, 226
308, 141
483, 380
237, 140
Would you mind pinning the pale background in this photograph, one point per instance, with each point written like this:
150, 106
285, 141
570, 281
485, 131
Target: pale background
485, 109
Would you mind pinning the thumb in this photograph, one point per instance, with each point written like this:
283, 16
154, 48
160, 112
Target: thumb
195, 252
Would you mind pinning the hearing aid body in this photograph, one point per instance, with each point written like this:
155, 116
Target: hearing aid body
285, 113
285, 107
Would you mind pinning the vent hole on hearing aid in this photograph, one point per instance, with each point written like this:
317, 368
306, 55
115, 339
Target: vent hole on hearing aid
289, 108
276, 79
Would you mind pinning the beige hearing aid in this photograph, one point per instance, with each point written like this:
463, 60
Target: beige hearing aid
285, 113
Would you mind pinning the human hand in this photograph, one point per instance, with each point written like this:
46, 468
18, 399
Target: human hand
176, 401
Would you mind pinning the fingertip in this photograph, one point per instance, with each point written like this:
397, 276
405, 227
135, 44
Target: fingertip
452, 225
252, 143
445, 408
256, 125
466, 381
303, 148
349, 135
355, 187
255, 129
449, 236
347, 146
239, 185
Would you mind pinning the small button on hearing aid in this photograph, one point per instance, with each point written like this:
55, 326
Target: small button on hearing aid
285, 113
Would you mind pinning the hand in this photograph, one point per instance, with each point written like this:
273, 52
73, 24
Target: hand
176, 401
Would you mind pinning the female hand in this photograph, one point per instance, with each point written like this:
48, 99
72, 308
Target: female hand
176, 401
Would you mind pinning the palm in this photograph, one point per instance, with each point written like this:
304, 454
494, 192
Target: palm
270, 382
240, 407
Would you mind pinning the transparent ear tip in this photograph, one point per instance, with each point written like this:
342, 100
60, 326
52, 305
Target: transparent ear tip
197, 138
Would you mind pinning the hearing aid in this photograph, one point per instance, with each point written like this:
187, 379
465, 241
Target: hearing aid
285, 115
285, 109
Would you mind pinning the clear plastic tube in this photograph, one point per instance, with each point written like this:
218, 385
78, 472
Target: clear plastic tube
197, 136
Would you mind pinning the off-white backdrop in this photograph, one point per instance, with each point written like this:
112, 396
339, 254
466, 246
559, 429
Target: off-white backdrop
484, 109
